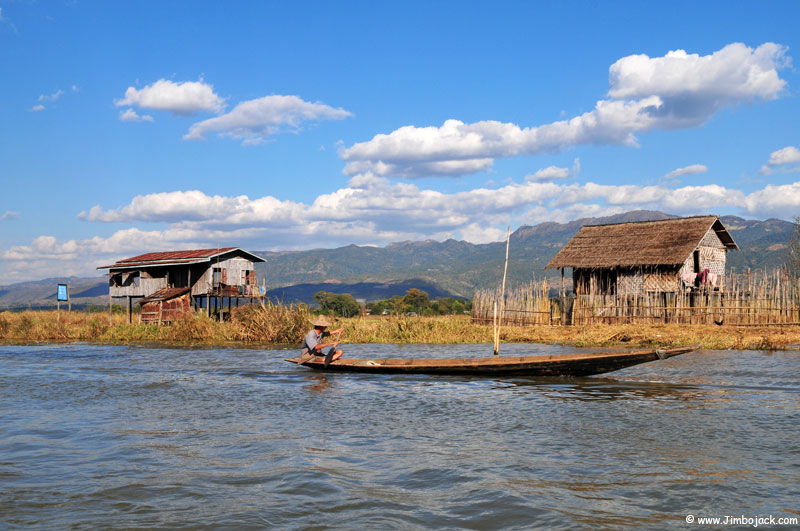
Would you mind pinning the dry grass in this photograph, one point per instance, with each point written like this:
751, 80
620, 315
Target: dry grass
272, 323
412, 329
250, 324
288, 325
460, 329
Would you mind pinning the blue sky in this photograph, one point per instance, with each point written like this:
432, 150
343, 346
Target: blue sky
134, 127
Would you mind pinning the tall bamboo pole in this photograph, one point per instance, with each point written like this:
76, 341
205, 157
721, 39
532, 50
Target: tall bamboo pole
495, 331
502, 297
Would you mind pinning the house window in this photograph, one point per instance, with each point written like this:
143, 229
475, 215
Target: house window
217, 278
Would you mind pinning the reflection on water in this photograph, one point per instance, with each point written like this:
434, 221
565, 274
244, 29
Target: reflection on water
605, 388
145, 437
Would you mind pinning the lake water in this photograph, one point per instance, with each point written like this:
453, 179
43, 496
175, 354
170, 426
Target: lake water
133, 436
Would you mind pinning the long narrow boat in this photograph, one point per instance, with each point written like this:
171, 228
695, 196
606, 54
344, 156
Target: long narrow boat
554, 365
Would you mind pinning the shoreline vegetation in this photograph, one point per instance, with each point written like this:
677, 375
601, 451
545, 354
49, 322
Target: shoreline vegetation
287, 325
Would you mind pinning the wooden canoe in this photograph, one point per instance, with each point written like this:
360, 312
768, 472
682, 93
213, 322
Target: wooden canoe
554, 365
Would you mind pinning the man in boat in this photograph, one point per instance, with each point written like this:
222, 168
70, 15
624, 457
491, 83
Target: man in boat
313, 345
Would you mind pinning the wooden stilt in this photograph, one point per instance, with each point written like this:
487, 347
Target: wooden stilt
563, 299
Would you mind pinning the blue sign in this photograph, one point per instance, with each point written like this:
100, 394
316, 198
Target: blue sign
62, 293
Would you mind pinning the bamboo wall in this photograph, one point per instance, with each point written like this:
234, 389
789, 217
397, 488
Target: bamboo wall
753, 298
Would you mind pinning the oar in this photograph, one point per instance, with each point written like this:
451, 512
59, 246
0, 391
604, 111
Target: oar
332, 350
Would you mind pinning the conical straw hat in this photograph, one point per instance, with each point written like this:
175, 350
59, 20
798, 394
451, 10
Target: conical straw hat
322, 321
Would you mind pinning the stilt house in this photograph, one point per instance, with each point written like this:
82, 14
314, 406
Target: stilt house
175, 281
637, 258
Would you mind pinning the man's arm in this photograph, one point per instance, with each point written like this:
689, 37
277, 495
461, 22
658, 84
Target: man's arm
319, 347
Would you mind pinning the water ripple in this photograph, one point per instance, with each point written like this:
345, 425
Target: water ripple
133, 436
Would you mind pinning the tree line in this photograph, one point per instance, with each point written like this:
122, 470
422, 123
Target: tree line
415, 301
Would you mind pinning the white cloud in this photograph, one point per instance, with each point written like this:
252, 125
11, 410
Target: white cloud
194, 208
552, 173
370, 210
479, 233
183, 98
541, 214
693, 84
779, 161
51, 97
787, 155
75, 88
9, 216
678, 90
129, 115
780, 201
389, 208
46, 98
254, 121
6, 21
686, 170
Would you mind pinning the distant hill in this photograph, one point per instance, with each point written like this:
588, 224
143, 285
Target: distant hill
761, 243
370, 291
448, 268
41, 294
459, 267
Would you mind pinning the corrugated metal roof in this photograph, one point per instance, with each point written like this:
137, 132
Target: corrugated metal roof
133, 265
164, 294
177, 255
643, 243
192, 256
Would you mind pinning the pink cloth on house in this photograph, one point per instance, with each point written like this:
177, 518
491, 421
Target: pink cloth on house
688, 278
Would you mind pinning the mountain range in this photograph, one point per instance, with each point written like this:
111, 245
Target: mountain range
448, 268
459, 267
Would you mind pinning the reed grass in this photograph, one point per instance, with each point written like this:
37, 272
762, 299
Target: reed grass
271, 323
440, 329
264, 325
250, 324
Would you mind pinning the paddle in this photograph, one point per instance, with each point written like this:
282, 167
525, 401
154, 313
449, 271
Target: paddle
332, 351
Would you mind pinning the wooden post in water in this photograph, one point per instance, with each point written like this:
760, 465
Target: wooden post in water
496, 335
563, 299
502, 297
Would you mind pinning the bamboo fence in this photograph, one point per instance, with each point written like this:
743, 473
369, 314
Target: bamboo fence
524, 305
752, 299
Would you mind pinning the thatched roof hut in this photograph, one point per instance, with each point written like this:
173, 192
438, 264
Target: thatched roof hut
666, 248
